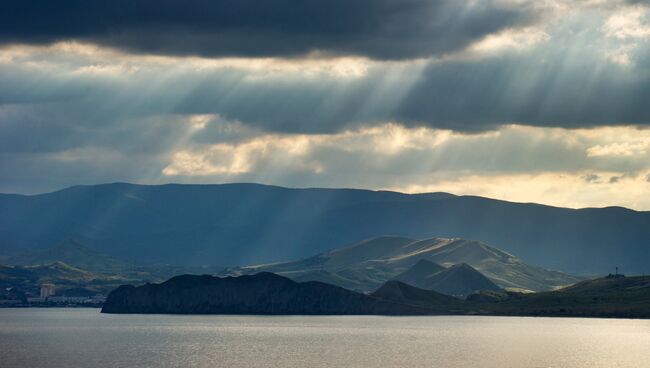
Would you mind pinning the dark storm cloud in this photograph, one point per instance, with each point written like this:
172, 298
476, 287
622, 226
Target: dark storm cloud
479, 96
382, 29
42, 109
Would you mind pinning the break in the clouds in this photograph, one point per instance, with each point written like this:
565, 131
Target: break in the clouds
522, 100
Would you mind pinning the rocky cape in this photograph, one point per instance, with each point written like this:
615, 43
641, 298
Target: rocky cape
264, 293
269, 294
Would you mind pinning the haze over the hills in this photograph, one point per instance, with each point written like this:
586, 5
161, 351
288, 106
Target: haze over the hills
77, 270
71, 252
237, 224
362, 267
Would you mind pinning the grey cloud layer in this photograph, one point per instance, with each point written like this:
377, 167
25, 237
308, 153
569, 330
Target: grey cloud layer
56, 107
76, 113
382, 29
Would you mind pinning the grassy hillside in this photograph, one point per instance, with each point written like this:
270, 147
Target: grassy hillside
366, 265
29, 278
72, 252
627, 297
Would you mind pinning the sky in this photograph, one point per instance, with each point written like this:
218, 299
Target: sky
533, 101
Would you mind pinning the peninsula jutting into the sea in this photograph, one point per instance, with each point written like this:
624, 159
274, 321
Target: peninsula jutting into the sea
269, 294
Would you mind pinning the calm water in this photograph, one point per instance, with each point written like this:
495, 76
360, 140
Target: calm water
86, 338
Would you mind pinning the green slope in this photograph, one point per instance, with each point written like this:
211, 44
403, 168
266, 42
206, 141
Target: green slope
72, 253
366, 265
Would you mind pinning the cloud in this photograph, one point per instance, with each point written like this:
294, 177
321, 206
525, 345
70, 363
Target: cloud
550, 162
552, 86
409, 150
519, 163
629, 23
592, 178
618, 149
478, 97
381, 29
570, 87
510, 38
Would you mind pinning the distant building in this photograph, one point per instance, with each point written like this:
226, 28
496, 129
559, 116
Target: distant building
69, 299
47, 290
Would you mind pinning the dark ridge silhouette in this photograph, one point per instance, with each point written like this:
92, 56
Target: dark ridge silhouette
263, 293
267, 293
419, 272
400, 292
460, 279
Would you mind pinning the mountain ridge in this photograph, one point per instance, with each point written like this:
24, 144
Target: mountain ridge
443, 195
269, 294
234, 224
264, 293
365, 265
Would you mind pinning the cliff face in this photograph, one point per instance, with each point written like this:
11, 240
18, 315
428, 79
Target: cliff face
263, 293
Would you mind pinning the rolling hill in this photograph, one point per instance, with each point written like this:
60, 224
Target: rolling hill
624, 297
458, 280
73, 264
366, 265
64, 276
235, 224
72, 253
417, 273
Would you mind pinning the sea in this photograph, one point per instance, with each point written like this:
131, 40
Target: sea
75, 337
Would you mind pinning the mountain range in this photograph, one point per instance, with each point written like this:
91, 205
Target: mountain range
451, 266
235, 224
